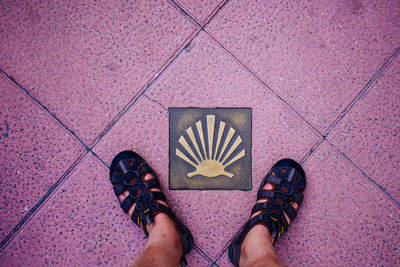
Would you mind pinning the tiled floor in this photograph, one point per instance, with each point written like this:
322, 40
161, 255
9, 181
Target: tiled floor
81, 82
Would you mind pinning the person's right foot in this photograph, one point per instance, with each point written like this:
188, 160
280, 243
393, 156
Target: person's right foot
258, 241
279, 196
257, 249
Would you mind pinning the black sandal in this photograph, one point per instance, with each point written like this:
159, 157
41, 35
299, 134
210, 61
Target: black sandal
127, 172
289, 181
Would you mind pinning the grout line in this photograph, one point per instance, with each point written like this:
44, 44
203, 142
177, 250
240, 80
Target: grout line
305, 158
202, 253
263, 83
163, 69
207, 20
195, 247
365, 174
52, 189
366, 88
154, 79
116, 119
302, 162
88, 149
184, 12
100, 159
215, 12
46, 109
224, 250
155, 101
312, 150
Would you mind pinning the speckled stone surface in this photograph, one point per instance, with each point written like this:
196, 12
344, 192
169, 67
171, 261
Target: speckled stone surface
35, 152
344, 220
143, 129
81, 224
200, 10
277, 132
316, 55
87, 60
370, 133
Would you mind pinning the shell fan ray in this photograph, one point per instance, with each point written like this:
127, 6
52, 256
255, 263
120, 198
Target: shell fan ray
210, 158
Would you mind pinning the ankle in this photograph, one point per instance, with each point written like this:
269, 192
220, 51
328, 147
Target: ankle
257, 247
261, 261
156, 247
163, 234
159, 252
257, 237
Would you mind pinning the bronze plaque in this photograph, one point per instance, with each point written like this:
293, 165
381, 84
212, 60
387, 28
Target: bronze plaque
210, 148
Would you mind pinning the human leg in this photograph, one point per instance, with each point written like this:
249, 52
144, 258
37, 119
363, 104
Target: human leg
257, 249
163, 247
279, 196
138, 190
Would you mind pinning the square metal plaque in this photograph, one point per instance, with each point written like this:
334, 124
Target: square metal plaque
210, 148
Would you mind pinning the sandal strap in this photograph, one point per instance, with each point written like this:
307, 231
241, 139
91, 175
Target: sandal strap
158, 196
265, 219
143, 170
263, 194
184, 233
298, 197
146, 218
288, 179
127, 203
153, 183
290, 211
127, 173
119, 189
271, 179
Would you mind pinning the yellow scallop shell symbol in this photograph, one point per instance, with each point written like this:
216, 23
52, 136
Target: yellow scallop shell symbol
208, 163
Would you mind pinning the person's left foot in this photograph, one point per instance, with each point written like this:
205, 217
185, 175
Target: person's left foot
161, 220
138, 189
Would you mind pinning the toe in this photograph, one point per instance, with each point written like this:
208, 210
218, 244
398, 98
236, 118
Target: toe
123, 195
268, 186
295, 206
130, 212
148, 177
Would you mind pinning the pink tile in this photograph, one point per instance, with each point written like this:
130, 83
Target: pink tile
200, 9
87, 60
204, 76
36, 151
81, 224
345, 219
143, 129
316, 55
224, 261
369, 134
195, 259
